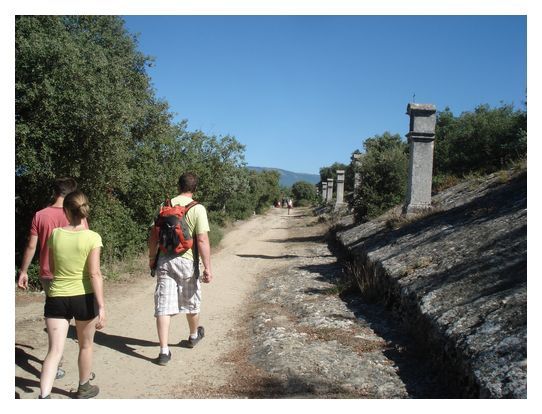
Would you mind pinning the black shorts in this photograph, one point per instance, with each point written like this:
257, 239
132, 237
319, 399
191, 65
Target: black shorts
80, 307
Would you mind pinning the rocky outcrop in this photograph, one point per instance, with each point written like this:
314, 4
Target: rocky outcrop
458, 277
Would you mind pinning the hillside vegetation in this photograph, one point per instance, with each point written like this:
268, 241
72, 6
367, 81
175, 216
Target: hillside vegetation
85, 107
474, 143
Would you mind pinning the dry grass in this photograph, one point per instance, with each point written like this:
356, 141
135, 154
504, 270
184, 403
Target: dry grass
346, 337
395, 220
366, 277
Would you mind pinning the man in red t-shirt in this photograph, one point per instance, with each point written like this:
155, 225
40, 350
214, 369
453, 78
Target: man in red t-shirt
43, 224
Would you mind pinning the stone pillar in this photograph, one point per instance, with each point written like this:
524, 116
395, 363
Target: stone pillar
324, 190
421, 137
329, 190
340, 189
356, 162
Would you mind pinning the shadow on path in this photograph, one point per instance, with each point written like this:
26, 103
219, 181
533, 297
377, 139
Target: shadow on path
23, 358
122, 344
308, 239
25, 385
263, 256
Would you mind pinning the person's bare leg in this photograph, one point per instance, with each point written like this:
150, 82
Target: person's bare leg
193, 320
57, 330
162, 326
85, 335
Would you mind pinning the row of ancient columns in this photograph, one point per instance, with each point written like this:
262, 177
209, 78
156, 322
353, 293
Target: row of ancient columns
327, 190
421, 137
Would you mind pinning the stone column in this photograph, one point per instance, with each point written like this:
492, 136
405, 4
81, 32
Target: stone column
340, 190
356, 162
421, 137
324, 190
329, 190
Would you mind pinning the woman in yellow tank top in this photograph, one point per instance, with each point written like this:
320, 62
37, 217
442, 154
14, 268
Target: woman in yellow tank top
76, 292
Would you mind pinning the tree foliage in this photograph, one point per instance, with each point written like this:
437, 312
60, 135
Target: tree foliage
483, 140
85, 108
383, 175
304, 193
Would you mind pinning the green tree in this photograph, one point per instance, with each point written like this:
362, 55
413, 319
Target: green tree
483, 140
85, 108
80, 89
242, 203
384, 176
304, 193
266, 189
219, 164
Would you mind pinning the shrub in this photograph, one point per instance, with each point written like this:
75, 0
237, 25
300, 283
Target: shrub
383, 174
484, 140
216, 234
121, 235
305, 192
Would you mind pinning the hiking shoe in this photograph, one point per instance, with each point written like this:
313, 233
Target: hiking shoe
44, 398
60, 373
193, 342
87, 391
163, 359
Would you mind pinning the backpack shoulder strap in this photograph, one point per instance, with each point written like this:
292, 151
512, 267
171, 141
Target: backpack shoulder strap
190, 205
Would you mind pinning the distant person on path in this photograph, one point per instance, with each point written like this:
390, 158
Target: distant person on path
76, 291
178, 288
290, 205
43, 224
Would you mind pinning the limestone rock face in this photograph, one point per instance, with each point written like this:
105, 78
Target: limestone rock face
458, 277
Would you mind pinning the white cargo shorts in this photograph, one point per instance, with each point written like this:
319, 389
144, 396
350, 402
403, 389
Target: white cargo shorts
178, 288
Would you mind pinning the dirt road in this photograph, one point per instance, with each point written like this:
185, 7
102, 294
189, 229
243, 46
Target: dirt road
281, 321
125, 349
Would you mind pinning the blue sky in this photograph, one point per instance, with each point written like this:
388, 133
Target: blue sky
302, 92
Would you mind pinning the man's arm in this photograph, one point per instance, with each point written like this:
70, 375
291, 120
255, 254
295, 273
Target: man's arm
153, 247
204, 250
28, 255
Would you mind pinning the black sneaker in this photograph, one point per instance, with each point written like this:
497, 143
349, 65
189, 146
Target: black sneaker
193, 342
87, 391
163, 359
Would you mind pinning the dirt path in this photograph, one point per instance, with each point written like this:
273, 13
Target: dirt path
126, 347
281, 321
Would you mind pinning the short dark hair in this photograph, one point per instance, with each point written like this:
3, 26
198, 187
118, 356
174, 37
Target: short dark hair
64, 186
188, 182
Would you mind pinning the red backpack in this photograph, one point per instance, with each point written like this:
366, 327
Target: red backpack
172, 230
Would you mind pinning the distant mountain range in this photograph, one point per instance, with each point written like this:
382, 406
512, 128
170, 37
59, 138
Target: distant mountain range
287, 178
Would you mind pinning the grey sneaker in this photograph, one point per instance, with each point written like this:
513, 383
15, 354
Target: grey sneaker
163, 359
193, 342
44, 398
87, 391
60, 373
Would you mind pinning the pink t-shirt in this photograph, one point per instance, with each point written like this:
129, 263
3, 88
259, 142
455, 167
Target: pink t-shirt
43, 224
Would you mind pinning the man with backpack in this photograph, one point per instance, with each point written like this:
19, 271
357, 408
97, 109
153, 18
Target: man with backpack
179, 237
